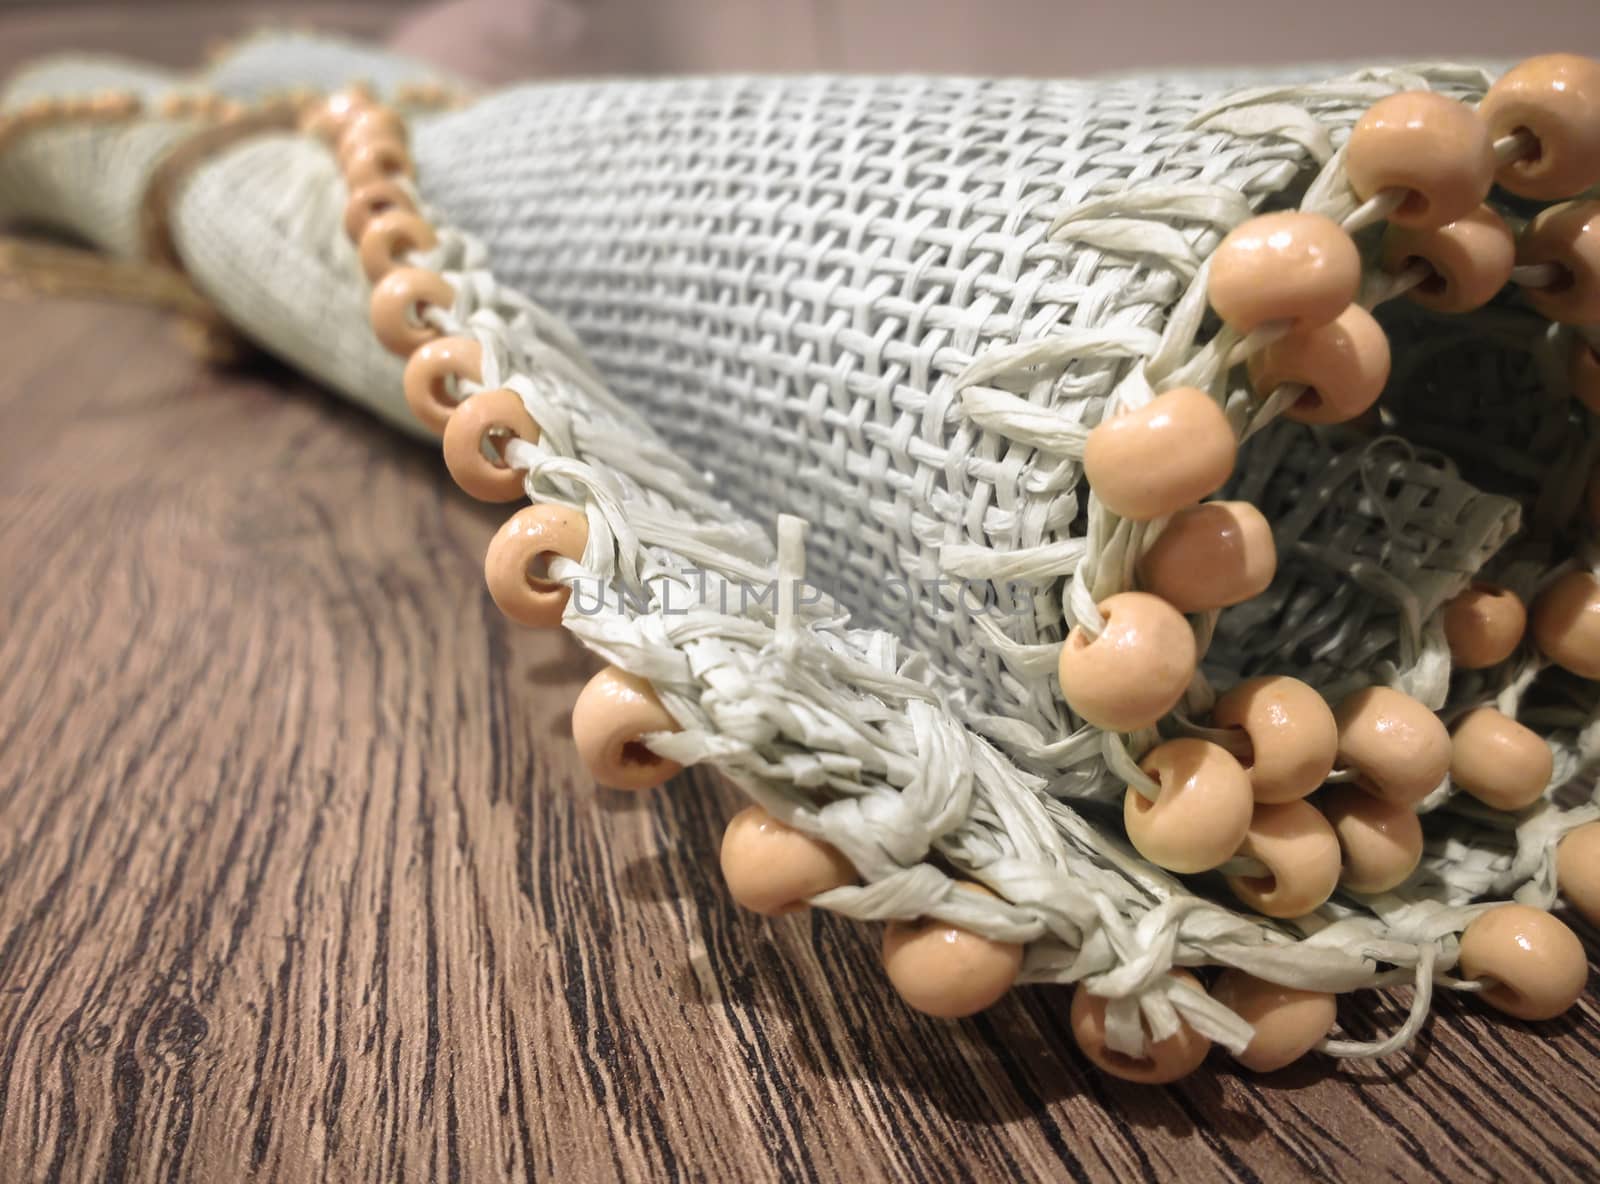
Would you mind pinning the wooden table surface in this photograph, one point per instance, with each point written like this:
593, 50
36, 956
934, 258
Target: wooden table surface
300, 877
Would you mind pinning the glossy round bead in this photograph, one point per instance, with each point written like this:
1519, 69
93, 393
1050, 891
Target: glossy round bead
512, 566
1291, 266
376, 160
1471, 259
477, 429
1537, 964
1556, 98
390, 236
429, 371
114, 105
1293, 738
396, 299
329, 118
1483, 626
1301, 854
1135, 671
1161, 457
610, 718
1499, 761
38, 111
1289, 1022
368, 124
772, 868
366, 203
1578, 870
1567, 235
1202, 813
1398, 747
1585, 374
1566, 623
1163, 1061
945, 971
1434, 148
1344, 364
1380, 841
1210, 556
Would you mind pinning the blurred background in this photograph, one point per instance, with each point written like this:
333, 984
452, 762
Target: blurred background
499, 40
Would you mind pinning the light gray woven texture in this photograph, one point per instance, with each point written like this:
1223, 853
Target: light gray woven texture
892, 308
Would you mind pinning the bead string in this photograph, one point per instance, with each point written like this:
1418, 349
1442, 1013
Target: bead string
1518, 145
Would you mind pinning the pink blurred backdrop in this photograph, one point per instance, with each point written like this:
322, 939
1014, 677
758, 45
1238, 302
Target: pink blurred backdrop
497, 40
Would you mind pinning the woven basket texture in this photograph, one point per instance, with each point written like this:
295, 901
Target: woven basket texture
892, 308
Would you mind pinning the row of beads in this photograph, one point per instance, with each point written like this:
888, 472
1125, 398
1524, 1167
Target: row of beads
1367, 837
615, 710
44, 112
1535, 966
1158, 461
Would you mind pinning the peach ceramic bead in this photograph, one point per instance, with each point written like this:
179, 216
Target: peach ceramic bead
1471, 260
1301, 855
376, 160
371, 123
388, 237
427, 374
945, 971
1163, 456
1380, 841
1135, 671
369, 201
611, 715
1578, 870
1556, 98
1289, 1022
1537, 964
525, 538
1566, 623
1345, 363
1289, 266
1293, 737
114, 106
1586, 374
1210, 556
1499, 761
487, 418
772, 868
1163, 1061
1567, 235
395, 301
329, 118
1398, 747
1434, 148
1483, 625
1202, 813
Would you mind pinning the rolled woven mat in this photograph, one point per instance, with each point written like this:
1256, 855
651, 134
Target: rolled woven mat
1109, 530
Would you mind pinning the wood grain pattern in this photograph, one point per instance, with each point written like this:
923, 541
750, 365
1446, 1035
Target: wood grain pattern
300, 879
